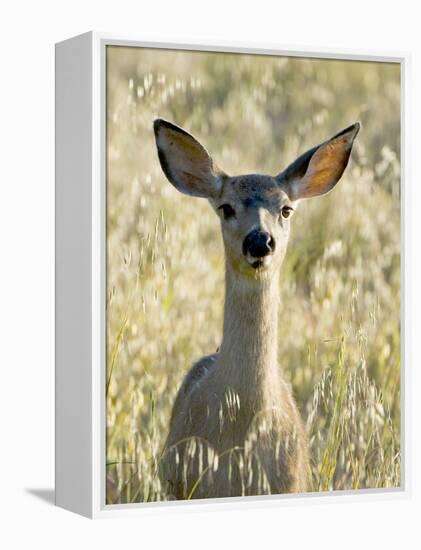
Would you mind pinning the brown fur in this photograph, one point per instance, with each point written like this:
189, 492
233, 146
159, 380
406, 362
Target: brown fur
235, 427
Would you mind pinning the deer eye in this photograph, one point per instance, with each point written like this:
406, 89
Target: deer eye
286, 212
227, 210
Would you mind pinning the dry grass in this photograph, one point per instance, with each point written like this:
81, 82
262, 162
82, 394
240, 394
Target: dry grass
340, 319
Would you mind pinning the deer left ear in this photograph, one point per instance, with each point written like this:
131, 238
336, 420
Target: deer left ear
185, 162
318, 170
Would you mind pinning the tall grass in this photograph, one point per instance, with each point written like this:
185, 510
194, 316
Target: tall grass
339, 340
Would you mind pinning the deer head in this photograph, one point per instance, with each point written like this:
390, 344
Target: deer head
255, 210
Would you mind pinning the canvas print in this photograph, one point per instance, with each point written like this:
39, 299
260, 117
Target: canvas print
253, 275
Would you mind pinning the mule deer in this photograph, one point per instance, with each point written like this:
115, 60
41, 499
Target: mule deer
235, 427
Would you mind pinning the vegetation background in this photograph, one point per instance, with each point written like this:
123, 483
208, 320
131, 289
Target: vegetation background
339, 340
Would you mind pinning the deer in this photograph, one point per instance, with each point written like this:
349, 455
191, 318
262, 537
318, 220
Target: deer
235, 428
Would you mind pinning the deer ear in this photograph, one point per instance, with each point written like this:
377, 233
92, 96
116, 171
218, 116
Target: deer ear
185, 162
318, 170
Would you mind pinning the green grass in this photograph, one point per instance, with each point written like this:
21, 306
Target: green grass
339, 341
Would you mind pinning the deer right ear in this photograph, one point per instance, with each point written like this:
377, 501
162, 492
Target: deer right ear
185, 162
318, 170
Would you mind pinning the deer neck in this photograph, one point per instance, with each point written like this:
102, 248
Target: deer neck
249, 347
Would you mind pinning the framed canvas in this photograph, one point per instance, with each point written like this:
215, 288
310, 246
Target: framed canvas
230, 275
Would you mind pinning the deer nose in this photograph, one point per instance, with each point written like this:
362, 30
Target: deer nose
258, 244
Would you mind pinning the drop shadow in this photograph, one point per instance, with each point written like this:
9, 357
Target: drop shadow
47, 495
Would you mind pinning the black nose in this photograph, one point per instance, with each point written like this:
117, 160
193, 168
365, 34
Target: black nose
258, 244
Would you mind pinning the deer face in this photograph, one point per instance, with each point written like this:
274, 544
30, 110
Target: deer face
255, 210
255, 214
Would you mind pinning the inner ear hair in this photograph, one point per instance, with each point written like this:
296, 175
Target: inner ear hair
185, 161
318, 170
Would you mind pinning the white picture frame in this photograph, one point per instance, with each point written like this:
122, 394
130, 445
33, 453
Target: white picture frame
81, 276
